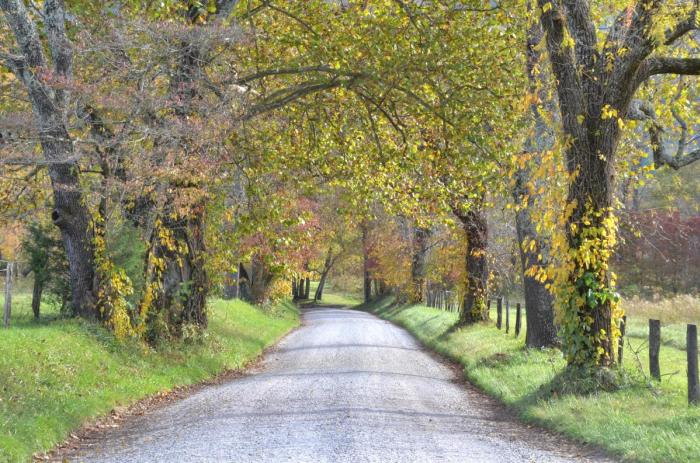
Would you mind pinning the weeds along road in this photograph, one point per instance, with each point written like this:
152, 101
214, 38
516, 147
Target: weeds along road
346, 386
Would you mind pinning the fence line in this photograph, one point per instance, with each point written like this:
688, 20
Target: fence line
450, 301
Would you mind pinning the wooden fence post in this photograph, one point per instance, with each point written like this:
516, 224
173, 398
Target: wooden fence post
518, 316
499, 312
8, 295
692, 352
621, 341
507, 316
654, 347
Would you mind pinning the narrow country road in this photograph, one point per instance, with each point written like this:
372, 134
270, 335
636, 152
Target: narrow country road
345, 387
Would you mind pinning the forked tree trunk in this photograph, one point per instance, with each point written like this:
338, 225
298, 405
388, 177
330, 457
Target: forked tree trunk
327, 265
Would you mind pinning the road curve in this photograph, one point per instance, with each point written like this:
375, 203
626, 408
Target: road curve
345, 387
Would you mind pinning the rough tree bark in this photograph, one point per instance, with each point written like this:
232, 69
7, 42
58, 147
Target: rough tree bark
50, 109
421, 235
475, 226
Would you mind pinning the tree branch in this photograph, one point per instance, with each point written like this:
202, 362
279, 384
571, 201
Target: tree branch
286, 96
292, 71
665, 65
683, 27
25, 32
662, 153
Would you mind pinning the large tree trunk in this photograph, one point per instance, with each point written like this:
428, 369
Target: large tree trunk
71, 216
420, 248
594, 96
178, 289
539, 302
183, 283
590, 232
474, 308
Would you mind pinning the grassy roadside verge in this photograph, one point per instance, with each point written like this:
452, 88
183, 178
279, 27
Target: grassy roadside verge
56, 375
638, 423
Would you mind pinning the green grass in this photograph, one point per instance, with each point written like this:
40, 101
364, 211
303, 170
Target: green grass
638, 422
333, 297
57, 374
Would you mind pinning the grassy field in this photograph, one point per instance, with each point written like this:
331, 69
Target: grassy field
644, 421
56, 374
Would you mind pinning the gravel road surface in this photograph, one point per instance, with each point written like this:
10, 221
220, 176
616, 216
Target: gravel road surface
345, 387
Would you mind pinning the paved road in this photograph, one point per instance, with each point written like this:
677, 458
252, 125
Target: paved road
346, 386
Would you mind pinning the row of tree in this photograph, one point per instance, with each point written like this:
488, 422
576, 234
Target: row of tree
185, 145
